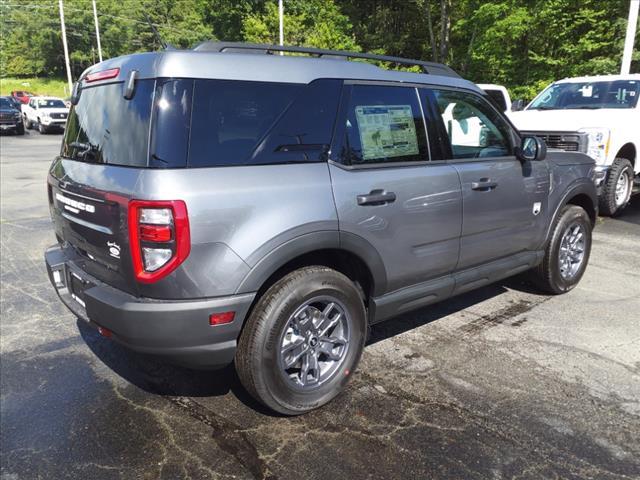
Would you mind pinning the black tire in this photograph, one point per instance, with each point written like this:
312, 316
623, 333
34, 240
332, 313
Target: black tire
548, 275
41, 128
20, 129
609, 206
258, 350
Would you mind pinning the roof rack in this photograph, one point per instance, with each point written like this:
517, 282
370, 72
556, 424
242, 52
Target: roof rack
240, 47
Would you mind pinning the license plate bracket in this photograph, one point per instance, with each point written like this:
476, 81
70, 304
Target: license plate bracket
77, 286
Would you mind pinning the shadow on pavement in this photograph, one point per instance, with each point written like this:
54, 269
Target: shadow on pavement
154, 375
431, 313
631, 214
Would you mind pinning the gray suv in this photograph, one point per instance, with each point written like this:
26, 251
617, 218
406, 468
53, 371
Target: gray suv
229, 204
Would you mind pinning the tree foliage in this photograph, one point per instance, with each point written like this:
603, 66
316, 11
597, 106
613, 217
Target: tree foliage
523, 44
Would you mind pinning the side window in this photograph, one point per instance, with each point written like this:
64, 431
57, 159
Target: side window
170, 138
303, 133
383, 124
475, 130
230, 118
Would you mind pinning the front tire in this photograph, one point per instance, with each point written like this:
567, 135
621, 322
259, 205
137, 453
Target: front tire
302, 341
616, 191
20, 129
567, 253
41, 128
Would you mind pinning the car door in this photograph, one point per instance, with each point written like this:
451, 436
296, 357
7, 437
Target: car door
503, 198
389, 195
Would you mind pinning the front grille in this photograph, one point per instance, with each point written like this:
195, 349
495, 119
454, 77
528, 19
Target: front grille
7, 116
58, 115
568, 141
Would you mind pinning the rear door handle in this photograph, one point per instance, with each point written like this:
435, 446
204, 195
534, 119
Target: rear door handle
484, 185
376, 197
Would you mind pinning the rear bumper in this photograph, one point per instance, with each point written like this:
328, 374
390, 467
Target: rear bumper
176, 330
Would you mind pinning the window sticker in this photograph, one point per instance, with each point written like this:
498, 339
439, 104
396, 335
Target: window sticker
386, 131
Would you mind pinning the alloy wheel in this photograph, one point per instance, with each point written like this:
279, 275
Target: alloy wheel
314, 342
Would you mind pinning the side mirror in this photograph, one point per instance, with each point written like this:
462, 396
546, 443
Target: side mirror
531, 148
75, 93
517, 105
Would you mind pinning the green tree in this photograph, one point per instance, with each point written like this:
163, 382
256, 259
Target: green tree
314, 23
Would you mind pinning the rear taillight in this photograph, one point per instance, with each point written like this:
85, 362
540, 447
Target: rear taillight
159, 237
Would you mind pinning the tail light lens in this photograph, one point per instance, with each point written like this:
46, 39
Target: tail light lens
159, 237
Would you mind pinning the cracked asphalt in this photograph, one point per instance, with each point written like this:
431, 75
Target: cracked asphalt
499, 383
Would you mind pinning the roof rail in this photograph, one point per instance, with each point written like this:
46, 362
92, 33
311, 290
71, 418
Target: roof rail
240, 47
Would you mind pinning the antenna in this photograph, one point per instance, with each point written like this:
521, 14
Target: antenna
156, 34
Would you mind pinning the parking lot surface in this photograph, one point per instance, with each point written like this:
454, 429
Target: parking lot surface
499, 383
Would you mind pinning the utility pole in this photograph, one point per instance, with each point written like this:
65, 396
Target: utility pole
64, 44
281, 18
95, 20
634, 6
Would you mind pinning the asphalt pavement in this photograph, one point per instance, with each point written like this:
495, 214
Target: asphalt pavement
498, 383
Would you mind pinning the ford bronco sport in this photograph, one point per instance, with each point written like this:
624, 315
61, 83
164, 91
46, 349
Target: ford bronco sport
226, 204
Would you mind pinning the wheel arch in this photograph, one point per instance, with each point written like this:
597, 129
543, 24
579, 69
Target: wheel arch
350, 255
628, 151
582, 194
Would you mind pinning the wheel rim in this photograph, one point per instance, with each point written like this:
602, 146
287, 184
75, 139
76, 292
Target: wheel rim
314, 343
572, 251
622, 189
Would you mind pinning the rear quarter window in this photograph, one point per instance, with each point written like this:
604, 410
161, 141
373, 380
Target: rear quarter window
230, 118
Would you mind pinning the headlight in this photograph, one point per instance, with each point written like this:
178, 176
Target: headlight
45, 114
597, 143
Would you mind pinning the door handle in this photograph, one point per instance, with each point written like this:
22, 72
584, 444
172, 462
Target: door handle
376, 197
484, 185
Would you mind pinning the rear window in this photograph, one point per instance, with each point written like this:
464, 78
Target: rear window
104, 127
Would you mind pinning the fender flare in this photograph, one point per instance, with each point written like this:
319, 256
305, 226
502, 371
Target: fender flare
580, 186
309, 243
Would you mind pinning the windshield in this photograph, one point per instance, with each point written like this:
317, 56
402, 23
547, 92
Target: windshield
4, 103
51, 104
588, 95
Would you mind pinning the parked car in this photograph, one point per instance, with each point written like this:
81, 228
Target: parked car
45, 114
500, 96
10, 116
599, 116
213, 207
22, 96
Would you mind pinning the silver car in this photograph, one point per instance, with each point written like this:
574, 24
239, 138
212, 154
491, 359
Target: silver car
225, 204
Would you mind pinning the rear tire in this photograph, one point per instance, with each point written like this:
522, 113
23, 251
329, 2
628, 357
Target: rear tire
616, 191
567, 253
287, 329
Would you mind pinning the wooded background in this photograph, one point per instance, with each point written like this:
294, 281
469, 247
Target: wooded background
523, 44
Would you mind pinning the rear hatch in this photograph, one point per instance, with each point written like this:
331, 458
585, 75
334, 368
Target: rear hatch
104, 150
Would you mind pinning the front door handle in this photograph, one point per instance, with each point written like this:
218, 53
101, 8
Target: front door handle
376, 197
484, 185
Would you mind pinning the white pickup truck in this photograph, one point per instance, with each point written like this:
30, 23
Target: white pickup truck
599, 116
45, 113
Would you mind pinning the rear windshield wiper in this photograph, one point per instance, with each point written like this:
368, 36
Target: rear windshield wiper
83, 149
